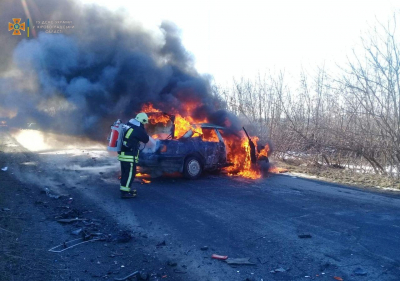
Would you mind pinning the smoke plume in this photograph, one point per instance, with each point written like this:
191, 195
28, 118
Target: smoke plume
106, 68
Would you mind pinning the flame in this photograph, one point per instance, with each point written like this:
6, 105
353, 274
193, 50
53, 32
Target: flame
238, 151
146, 181
264, 152
238, 148
182, 125
277, 170
140, 175
148, 107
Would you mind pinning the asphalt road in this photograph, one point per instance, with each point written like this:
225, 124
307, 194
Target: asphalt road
348, 228
263, 219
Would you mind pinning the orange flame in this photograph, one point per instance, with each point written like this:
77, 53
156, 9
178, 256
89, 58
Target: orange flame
238, 148
277, 170
140, 175
264, 151
238, 151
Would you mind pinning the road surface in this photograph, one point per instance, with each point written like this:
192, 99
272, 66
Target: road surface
344, 229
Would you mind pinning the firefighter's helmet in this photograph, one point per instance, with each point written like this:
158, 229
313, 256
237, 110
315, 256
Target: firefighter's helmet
142, 118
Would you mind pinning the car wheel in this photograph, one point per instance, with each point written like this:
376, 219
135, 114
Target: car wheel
192, 168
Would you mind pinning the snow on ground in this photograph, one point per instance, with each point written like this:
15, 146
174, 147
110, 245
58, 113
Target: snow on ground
308, 176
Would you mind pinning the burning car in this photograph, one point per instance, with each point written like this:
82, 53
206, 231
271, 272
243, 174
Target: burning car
176, 146
200, 148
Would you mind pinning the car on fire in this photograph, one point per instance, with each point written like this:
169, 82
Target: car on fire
201, 148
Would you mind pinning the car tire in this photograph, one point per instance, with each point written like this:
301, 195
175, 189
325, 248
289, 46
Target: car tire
192, 168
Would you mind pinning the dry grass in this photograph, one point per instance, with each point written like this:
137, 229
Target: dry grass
338, 175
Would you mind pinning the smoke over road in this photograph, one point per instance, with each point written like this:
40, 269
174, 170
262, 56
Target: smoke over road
106, 68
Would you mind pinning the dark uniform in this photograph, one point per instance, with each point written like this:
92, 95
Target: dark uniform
129, 155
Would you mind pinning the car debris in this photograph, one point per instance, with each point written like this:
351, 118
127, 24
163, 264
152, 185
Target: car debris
262, 260
70, 220
204, 248
279, 269
4, 169
161, 244
338, 278
360, 272
179, 271
303, 236
172, 263
51, 195
71, 244
219, 257
5, 209
128, 276
124, 236
239, 261
77, 231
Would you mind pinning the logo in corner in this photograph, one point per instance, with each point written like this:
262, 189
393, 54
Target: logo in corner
17, 26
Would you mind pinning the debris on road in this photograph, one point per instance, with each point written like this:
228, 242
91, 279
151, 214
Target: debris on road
77, 231
239, 261
179, 271
279, 269
70, 244
172, 263
70, 220
5, 209
144, 275
51, 195
4, 169
204, 248
303, 236
161, 244
338, 278
124, 236
262, 260
218, 257
128, 276
70, 214
360, 272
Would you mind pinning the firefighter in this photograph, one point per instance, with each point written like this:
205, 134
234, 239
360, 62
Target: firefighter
129, 155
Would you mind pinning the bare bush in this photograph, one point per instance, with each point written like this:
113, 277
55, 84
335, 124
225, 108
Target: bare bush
348, 119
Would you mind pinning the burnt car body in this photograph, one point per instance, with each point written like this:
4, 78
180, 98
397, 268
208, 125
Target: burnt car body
190, 154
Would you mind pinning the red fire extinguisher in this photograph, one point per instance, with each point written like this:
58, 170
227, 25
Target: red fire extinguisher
113, 144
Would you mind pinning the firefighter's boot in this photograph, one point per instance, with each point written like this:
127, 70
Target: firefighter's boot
127, 195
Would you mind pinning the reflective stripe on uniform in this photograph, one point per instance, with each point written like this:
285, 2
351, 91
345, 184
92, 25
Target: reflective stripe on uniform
124, 188
137, 157
128, 183
128, 158
128, 134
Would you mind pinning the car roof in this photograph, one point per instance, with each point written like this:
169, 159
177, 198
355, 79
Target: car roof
209, 125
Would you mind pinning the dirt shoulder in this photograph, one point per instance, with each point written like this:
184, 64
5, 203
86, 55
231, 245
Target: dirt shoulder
33, 220
337, 175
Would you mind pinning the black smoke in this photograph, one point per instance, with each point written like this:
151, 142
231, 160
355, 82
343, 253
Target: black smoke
105, 68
